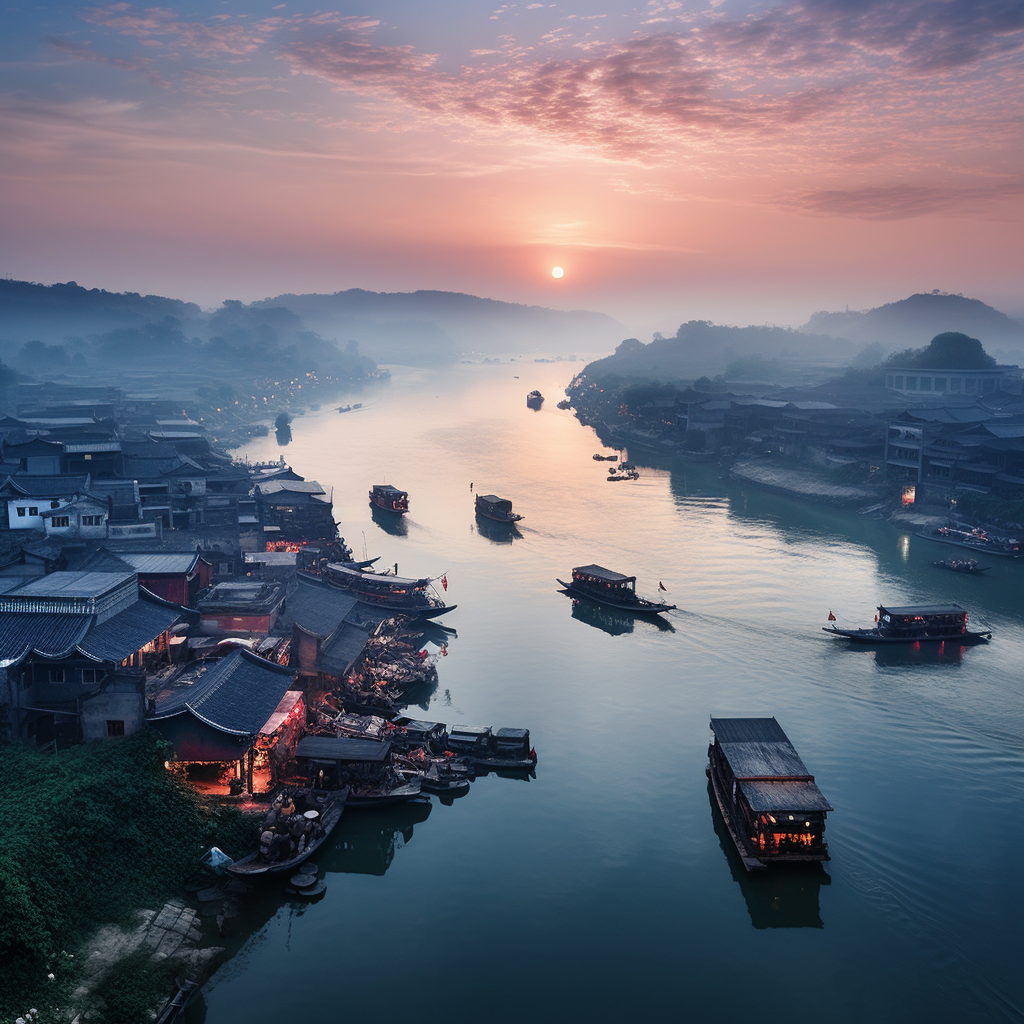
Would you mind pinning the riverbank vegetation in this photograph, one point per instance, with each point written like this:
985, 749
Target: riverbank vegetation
92, 834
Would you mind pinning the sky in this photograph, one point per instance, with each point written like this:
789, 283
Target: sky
733, 160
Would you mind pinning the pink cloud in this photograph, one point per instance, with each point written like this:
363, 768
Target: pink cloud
159, 25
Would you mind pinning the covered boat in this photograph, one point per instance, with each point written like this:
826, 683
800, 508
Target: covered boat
389, 499
769, 801
965, 565
363, 767
534, 400
933, 623
395, 593
504, 750
611, 588
499, 509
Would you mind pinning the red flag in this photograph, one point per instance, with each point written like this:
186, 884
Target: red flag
831, 617
423, 655
444, 581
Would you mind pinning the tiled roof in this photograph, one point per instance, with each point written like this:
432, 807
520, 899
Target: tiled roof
128, 631
316, 607
340, 651
164, 564
237, 695
46, 486
50, 636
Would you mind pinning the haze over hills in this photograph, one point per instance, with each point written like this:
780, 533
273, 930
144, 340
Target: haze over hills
398, 326
913, 321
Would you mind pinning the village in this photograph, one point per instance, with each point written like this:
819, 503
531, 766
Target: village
148, 579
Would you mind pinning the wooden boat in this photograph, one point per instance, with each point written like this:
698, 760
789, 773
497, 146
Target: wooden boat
977, 540
361, 767
383, 792
173, 1011
966, 565
328, 813
534, 400
504, 750
389, 499
490, 506
770, 803
382, 590
915, 624
605, 458
611, 588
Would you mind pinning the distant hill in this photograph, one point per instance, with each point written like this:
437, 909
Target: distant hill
51, 313
914, 321
411, 326
700, 348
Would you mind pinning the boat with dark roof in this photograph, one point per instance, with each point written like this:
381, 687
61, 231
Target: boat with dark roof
534, 400
770, 803
936, 623
611, 588
389, 499
965, 565
490, 506
382, 590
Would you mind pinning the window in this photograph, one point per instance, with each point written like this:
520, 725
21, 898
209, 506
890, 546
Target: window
33, 510
54, 504
21, 512
92, 520
940, 383
115, 727
61, 521
911, 384
56, 675
91, 675
926, 383
899, 383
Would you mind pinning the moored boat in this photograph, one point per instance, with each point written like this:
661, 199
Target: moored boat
772, 806
396, 593
915, 624
504, 750
965, 565
293, 828
362, 767
611, 588
490, 506
534, 400
389, 499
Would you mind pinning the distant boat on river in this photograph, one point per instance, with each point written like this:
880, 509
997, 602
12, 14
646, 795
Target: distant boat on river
915, 624
534, 400
389, 499
966, 565
611, 588
498, 509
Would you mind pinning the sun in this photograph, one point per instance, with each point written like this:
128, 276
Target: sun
557, 271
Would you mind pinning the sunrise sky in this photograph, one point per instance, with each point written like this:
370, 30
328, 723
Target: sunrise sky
723, 159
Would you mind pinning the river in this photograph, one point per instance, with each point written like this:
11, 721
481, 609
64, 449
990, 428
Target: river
603, 889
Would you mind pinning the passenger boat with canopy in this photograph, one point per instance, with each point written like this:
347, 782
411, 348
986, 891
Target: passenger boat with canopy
490, 506
936, 623
611, 588
770, 803
389, 499
382, 590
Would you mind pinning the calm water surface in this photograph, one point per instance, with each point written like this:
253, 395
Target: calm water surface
604, 889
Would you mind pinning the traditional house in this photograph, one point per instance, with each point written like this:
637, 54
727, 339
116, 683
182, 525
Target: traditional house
220, 713
293, 511
245, 608
73, 650
175, 577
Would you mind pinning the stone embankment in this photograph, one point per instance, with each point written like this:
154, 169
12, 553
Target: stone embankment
800, 483
173, 933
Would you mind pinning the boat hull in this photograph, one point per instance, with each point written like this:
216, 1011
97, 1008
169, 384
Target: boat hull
872, 637
641, 607
252, 866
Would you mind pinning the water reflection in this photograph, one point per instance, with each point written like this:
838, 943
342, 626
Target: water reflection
367, 840
784, 896
497, 533
283, 435
900, 655
614, 621
389, 522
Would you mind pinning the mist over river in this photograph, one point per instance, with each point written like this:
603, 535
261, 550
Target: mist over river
604, 889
